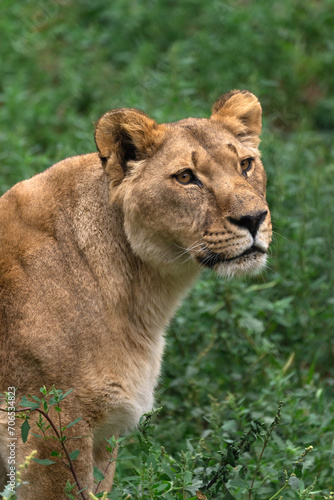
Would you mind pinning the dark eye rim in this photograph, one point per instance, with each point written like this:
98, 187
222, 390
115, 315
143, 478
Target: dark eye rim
193, 178
250, 160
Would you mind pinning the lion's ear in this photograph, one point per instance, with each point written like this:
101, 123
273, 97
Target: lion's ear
240, 112
123, 135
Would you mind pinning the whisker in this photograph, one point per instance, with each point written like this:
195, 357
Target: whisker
197, 243
195, 248
272, 270
280, 235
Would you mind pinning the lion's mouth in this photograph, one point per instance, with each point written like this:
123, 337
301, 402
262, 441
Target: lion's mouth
211, 259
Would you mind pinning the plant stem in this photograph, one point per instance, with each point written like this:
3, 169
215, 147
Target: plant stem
279, 491
104, 473
258, 466
55, 430
271, 428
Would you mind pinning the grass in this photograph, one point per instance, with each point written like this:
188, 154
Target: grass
235, 349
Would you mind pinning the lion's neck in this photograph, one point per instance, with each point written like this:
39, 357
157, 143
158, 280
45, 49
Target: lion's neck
139, 294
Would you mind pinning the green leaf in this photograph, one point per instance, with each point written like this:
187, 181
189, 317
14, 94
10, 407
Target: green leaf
262, 286
53, 401
115, 495
168, 472
270, 471
37, 435
294, 482
112, 441
299, 469
252, 324
243, 472
123, 457
69, 487
30, 404
228, 496
44, 461
73, 423
25, 427
151, 460
74, 454
35, 398
231, 456
164, 485
238, 483
98, 474
8, 493
119, 440
66, 394
187, 478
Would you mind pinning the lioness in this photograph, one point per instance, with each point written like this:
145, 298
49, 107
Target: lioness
97, 252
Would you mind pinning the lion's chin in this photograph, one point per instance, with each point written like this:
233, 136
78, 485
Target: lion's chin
251, 264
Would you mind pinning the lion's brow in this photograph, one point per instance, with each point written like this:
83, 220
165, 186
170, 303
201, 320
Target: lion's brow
194, 158
232, 148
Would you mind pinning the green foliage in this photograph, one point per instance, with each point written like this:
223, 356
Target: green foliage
194, 473
235, 349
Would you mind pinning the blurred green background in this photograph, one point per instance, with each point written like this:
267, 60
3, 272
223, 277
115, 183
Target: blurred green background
235, 348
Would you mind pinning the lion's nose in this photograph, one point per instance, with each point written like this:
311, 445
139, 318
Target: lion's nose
250, 222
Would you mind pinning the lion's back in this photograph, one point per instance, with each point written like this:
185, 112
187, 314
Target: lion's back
36, 288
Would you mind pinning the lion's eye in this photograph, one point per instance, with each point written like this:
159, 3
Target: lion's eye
246, 164
185, 177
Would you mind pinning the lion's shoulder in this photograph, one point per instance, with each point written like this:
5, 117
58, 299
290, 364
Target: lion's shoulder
30, 210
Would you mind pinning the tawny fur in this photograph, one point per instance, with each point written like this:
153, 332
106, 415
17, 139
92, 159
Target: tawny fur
96, 254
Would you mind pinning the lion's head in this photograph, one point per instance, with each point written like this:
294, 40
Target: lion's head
192, 192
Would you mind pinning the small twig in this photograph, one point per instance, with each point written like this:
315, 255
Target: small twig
213, 481
60, 426
279, 491
104, 473
45, 415
271, 428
